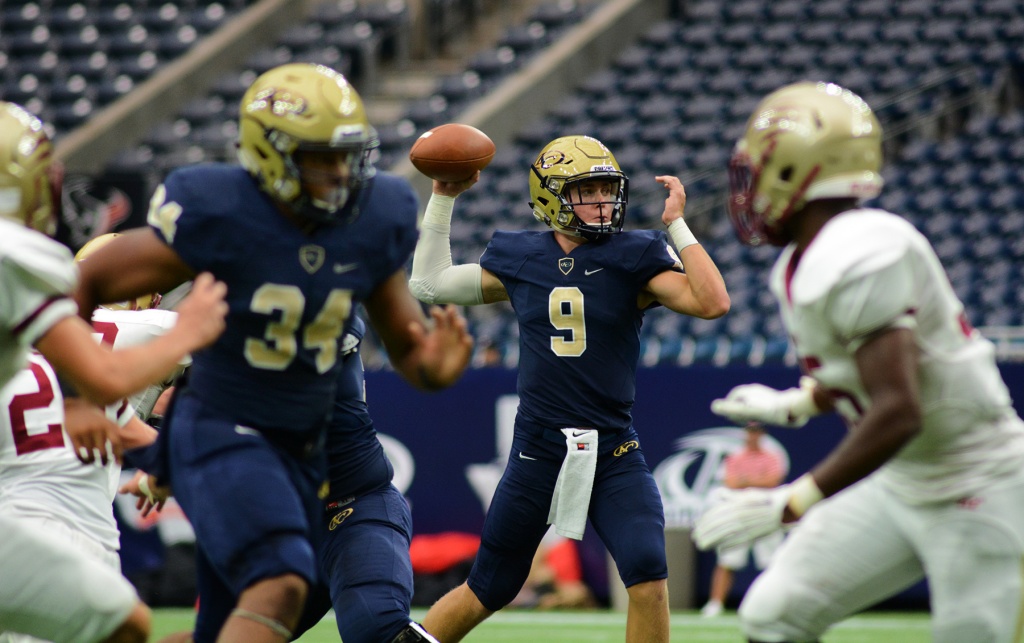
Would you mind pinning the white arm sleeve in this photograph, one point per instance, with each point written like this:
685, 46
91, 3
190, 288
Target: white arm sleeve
434, 280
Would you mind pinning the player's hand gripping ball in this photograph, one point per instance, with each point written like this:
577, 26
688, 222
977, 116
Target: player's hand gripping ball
452, 152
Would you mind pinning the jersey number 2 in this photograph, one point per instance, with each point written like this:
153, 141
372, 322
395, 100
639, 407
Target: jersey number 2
25, 442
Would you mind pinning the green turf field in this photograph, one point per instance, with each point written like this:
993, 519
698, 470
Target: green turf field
609, 627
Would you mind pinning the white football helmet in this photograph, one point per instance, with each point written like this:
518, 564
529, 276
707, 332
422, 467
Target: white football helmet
804, 142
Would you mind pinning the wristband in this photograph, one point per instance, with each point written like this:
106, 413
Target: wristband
144, 488
681, 235
805, 406
439, 210
803, 493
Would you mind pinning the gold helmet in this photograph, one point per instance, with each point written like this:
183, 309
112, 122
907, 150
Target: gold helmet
26, 162
144, 302
302, 107
804, 142
561, 167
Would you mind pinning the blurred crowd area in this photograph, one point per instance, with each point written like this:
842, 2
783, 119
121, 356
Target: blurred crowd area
134, 89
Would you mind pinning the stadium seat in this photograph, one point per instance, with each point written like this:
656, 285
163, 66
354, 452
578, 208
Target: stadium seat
524, 39
331, 14
427, 112
392, 20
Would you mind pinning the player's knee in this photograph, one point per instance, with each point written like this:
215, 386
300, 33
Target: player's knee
500, 588
643, 565
135, 628
969, 627
649, 592
413, 633
280, 598
773, 613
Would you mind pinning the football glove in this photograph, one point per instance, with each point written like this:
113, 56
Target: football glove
790, 408
740, 516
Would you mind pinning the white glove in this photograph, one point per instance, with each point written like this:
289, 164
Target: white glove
739, 516
756, 402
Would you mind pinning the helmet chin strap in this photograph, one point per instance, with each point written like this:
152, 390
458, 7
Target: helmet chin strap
336, 200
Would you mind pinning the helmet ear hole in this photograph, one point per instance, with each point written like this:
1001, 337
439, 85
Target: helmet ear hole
786, 174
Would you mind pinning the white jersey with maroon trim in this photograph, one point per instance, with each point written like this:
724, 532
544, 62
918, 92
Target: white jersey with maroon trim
40, 477
37, 277
869, 270
127, 328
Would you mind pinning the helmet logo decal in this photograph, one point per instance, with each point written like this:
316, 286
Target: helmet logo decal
311, 257
553, 158
565, 264
279, 102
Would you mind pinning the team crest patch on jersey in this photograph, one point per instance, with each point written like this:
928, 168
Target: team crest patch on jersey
565, 264
340, 518
311, 257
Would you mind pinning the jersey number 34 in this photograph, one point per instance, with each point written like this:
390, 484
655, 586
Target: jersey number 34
280, 343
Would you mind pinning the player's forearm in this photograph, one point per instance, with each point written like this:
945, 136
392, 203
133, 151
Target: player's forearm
434, 280
124, 372
878, 437
137, 433
706, 283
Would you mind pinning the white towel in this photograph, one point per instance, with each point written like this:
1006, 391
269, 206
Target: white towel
570, 501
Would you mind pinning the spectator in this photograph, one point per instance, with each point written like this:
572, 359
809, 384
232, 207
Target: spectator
751, 466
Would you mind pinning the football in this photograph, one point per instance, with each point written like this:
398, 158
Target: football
451, 152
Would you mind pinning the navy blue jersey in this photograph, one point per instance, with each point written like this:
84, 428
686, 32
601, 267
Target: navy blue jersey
356, 462
289, 293
579, 324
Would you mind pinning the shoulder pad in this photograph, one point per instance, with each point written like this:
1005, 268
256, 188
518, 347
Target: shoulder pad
851, 245
48, 264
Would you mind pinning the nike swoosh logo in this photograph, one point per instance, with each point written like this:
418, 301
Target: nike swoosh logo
244, 430
348, 267
577, 434
590, 272
525, 457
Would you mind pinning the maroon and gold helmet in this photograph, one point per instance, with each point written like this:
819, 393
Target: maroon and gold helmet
804, 142
27, 184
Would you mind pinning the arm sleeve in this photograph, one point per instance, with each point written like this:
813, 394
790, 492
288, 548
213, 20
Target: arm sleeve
434, 280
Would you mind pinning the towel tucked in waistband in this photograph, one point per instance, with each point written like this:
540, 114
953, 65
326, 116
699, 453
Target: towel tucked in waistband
570, 501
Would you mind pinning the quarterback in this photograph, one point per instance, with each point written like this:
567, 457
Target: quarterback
580, 291
928, 480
